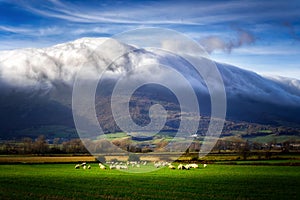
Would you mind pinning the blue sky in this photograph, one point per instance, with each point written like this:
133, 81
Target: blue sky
262, 36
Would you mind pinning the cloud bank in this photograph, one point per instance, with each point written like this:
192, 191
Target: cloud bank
45, 68
214, 43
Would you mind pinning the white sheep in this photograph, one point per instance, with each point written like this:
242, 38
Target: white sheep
84, 167
193, 166
204, 165
112, 167
157, 165
77, 166
89, 167
124, 167
101, 166
187, 166
172, 167
181, 167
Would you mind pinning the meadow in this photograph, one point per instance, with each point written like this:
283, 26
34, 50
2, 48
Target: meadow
62, 181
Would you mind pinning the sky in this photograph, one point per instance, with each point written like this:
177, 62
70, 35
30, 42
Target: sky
261, 36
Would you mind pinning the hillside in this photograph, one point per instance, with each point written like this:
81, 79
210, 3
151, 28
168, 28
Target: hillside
36, 88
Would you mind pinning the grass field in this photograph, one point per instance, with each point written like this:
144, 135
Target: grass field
62, 181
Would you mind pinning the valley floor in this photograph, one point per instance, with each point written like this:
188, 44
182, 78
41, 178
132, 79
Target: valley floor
62, 181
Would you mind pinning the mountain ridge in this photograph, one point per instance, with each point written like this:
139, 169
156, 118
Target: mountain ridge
47, 75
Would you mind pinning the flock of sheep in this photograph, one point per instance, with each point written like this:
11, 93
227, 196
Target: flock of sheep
138, 164
180, 166
83, 165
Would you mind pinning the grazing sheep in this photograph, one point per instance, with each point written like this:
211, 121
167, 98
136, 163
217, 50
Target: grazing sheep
181, 167
124, 167
101, 166
84, 163
172, 167
112, 167
138, 166
204, 165
187, 166
84, 167
193, 166
157, 165
77, 166
89, 167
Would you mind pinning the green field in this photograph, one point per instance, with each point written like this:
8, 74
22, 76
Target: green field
62, 181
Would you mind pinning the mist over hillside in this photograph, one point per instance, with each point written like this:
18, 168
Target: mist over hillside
36, 86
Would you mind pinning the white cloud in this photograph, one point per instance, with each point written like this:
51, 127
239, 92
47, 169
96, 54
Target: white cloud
14, 29
155, 13
213, 43
52, 30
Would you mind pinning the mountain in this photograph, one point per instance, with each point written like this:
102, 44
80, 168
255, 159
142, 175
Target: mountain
36, 87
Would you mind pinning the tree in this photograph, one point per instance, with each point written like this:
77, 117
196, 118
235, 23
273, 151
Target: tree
74, 146
245, 149
27, 145
41, 145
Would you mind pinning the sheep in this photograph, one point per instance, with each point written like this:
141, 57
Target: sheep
204, 165
112, 167
138, 166
133, 162
124, 167
84, 163
181, 167
172, 167
193, 166
84, 167
187, 166
157, 165
118, 167
161, 164
89, 167
101, 166
77, 166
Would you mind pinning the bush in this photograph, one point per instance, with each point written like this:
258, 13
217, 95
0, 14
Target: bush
194, 157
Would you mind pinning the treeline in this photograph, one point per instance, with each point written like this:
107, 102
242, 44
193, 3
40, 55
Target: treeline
41, 146
253, 130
